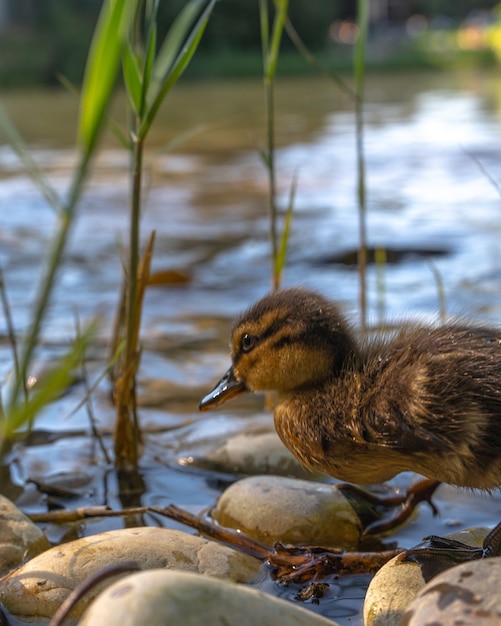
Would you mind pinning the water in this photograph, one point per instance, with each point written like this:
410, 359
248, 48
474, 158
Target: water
433, 153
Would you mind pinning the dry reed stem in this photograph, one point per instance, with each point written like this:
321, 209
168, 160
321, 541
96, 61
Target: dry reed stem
127, 435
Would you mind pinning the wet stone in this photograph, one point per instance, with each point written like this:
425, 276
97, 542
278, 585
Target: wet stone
465, 595
160, 597
20, 538
257, 453
397, 583
275, 508
37, 588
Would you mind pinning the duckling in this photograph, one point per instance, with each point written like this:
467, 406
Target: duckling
427, 399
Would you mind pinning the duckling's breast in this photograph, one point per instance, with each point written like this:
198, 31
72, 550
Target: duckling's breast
323, 435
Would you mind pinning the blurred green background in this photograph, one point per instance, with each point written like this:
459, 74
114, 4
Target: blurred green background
41, 39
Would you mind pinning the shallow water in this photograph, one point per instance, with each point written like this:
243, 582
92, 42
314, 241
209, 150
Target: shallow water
433, 151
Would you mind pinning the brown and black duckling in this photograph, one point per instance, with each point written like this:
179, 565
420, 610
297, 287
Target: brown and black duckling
427, 400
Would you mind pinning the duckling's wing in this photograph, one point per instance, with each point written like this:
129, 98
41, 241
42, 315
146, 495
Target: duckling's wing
396, 432
434, 389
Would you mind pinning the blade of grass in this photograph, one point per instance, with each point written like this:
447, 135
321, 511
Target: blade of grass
271, 48
360, 44
102, 67
11, 331
132, 77
28, 162
312, 60
281, 7
178, 67
90, 390
50, 386
182, 138
107, 40
359, 75
112, 125
440, 291
380, 259
148, 67
265, 32
172, 44
284, 241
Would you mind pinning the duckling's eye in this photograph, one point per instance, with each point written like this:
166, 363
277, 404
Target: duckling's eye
248, 342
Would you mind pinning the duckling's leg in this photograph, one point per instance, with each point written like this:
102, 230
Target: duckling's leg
437, 554
492, 543
422, 491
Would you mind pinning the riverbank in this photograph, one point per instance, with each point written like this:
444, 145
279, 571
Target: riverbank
23, 66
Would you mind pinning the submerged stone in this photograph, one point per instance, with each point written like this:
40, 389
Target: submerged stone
256, 453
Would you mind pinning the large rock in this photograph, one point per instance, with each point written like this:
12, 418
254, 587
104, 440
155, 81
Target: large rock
160, 597
398, 582
274, 508
37, 588
20, 539
256, 453
467, 594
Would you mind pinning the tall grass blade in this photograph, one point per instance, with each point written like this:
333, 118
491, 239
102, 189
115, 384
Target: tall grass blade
360, 44
49, 387
265, 32
172, 43
132, 77
284, 241
148, 66
182, 138
281, 7
179, 65
92, 388
102, 67
11, 331
271, 49
380, 259
359, 74
28, 162
312, 60
440, 291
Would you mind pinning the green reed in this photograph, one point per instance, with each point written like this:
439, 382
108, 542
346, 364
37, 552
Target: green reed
271, 37
100, 77
356, 95
359, 76
126, 35
150, 70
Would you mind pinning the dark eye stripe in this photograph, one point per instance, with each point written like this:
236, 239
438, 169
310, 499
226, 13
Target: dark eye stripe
272, 329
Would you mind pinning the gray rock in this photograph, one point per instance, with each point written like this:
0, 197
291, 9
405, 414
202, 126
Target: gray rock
274, 508
398, 582
20, 539
37, 588
467, 594
160, 597
257, 453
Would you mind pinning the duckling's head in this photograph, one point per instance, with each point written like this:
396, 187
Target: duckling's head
290, 339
